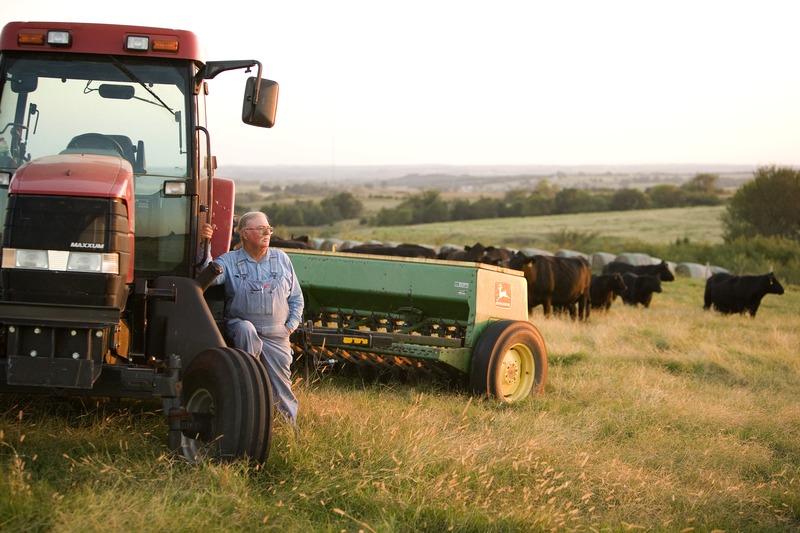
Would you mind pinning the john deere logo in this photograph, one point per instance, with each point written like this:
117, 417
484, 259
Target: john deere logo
502, 295
356, 340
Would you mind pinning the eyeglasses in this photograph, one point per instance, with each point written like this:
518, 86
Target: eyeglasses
264, 230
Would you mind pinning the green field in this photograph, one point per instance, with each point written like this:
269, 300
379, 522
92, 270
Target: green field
659, 226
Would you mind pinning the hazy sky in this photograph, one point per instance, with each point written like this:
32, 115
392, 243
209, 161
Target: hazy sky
460, 82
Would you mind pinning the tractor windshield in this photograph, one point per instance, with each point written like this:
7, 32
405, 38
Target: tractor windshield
127, 107
131, 107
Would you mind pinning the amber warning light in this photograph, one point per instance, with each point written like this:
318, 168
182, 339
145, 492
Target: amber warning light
142, 43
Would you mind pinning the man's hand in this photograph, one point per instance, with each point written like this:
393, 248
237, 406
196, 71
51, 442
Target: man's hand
207, 231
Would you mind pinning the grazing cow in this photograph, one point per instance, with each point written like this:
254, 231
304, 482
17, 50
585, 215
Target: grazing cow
559, 282
661, 270
401, 250
730, 294
498, 256
471, 254
605, 288
639, 289
295, 242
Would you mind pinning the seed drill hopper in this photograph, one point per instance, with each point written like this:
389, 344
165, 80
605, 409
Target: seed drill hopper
466, 323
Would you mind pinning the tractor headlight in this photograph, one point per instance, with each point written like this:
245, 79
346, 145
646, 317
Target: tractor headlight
93, 262
84, 262
61, 260
30, 259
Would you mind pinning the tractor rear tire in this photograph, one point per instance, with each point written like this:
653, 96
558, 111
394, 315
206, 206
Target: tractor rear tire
228, 394
509, 362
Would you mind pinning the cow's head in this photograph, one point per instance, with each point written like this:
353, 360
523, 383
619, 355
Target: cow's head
664, 272
653, 283
773, 285
519, 260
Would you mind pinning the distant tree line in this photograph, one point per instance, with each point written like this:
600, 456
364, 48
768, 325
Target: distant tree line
549, 199
330, 209
766, 206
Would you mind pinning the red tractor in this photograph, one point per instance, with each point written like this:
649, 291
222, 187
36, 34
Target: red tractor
108, 172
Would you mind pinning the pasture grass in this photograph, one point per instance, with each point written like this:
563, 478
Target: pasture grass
608, 229
663, 419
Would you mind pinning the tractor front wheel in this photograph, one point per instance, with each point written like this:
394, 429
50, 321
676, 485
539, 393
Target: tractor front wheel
509, 361
228, 400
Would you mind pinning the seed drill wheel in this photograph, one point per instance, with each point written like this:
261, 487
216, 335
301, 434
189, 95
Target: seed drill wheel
229, 398
509, 362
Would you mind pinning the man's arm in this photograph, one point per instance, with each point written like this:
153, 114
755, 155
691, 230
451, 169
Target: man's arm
295, 301
206, 232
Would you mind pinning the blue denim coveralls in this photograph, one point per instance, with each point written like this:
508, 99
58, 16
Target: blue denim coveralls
263, 304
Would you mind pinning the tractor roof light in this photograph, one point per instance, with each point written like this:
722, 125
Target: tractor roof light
30, 38
59, 38
139, 43
165, 45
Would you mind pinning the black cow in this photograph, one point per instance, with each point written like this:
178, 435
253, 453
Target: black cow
472, 253
556, 282
401, 250
661, 270
730, 294
496, 255
639, 289
605, 288
295, 242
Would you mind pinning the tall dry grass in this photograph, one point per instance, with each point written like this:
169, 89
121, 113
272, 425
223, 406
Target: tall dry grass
661, 419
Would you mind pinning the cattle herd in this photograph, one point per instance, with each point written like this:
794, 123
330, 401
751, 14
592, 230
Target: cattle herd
567, 285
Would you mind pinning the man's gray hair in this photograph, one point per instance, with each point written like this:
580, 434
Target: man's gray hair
244, 219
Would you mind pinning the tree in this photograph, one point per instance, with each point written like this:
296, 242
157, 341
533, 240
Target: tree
426, 207
573, 200
767, 205
342, 206
702, 190
399, 216
667, 195
429, 207
702, 183
286, 214
483, 207
539, 201
628, 199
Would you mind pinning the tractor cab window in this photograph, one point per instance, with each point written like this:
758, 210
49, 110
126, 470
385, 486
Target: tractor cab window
133, 108
127, 107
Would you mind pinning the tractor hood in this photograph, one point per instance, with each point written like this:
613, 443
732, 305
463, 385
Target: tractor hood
76, 175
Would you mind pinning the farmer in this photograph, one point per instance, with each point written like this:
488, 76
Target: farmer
263, 304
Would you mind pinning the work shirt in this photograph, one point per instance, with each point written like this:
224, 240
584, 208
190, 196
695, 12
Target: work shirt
266, 292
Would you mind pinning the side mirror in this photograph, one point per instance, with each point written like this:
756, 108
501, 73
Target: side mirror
260, 113
26, 83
